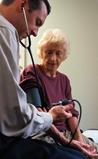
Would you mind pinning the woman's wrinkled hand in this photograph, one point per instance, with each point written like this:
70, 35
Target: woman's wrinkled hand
87, 149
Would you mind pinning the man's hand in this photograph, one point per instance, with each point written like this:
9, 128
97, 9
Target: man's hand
61, 113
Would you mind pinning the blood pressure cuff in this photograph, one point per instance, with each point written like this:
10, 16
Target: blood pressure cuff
33, 91
33, 97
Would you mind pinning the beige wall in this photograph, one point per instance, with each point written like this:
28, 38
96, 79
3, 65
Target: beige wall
79, 19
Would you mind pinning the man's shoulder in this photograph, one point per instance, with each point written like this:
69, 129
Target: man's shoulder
5, 24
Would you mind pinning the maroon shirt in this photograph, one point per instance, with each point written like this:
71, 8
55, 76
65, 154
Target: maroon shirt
54, 88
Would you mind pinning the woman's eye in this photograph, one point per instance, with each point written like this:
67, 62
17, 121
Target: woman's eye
59, 53
49, 52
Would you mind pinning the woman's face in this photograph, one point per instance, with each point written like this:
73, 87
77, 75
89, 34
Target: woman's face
51, 57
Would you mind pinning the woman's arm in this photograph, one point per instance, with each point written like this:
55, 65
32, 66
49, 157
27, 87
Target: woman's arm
72, 123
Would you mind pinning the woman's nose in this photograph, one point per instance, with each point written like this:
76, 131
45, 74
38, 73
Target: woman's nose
53, 57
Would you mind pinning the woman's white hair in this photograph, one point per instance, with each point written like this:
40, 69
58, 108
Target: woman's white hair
53, 36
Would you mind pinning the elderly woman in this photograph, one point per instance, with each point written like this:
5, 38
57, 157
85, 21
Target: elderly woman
53, 49
53, 86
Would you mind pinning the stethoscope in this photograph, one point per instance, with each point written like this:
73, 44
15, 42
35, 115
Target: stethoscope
28, 47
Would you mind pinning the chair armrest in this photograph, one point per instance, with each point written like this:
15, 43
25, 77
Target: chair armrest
92, 133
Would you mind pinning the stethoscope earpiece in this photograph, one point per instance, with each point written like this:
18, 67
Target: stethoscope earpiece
25, 18
28, 34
